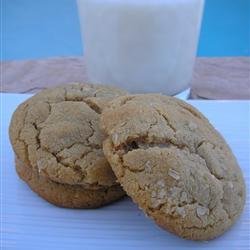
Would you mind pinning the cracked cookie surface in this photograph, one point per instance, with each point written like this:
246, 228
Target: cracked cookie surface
56, 133
173, 164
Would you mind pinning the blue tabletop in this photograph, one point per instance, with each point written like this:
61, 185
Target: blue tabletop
45, 28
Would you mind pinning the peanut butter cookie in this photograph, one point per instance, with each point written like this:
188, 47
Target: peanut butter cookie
174, 164
65, 195
55, 134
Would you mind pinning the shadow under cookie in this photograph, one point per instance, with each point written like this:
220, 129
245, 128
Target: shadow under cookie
65, 195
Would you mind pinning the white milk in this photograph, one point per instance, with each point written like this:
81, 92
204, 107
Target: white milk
141, 45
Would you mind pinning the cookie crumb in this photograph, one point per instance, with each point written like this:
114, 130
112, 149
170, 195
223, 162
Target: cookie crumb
115, 138
39, 164
192, 126
183, 197
161, 194
122, 124
156, 202
174, 174
201, 211
148, 167
153, 194
160, 183
181, 211
174, 192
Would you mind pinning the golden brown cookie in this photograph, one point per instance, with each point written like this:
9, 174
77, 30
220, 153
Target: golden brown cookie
174, 164
65, 195
56, 134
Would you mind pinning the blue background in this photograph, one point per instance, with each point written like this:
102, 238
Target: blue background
45, 28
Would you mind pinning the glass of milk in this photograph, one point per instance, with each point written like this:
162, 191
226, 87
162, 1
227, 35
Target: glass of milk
141, 45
